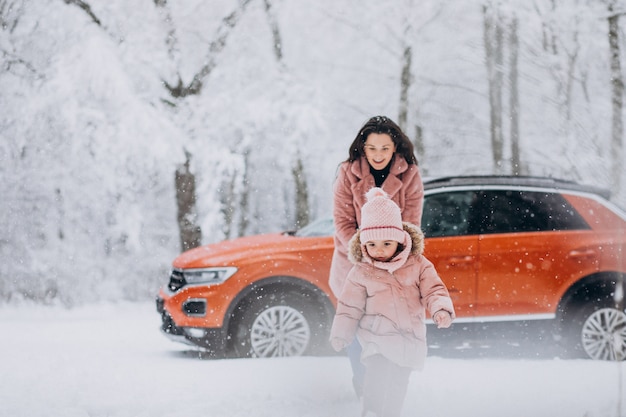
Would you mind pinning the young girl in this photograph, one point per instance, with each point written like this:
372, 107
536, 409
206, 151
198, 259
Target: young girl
384, 302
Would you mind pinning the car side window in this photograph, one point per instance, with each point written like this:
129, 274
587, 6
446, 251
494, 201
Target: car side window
507, 211
321, 227
446, 214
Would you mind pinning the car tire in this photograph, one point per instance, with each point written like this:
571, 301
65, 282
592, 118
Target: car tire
598, 332
275, 325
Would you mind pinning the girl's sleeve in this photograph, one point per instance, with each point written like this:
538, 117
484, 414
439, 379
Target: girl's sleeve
433, 291
350, 309
344, 214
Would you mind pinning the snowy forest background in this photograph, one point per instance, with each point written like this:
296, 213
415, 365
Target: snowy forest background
117, 114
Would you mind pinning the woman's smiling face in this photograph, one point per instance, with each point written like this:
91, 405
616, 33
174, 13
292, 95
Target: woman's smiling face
379, 149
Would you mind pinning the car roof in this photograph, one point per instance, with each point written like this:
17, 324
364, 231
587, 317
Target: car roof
512, 180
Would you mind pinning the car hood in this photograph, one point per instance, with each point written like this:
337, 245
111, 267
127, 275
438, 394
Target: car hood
230, 252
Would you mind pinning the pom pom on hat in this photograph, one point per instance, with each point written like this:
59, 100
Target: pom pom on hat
375, 192
380, 218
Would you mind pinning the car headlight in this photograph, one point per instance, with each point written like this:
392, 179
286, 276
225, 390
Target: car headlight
208, 275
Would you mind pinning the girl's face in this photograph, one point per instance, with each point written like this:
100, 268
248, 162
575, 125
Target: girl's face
379, 149
381, 250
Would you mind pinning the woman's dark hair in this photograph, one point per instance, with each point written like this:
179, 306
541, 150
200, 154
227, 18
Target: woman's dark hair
382, 124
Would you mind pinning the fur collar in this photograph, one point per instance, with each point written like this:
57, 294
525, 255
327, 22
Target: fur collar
355, 251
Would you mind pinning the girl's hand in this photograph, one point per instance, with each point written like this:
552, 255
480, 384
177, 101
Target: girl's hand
338, 344
442, 319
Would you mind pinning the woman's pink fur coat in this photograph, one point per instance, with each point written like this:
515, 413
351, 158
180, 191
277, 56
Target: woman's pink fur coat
387, 311
354, 180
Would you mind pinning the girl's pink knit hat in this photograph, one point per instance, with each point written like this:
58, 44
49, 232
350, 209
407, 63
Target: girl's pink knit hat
380, 218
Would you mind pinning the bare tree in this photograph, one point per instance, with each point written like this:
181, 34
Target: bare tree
493, 40
244, 205
411, 27
405, 85
516, 168
302, 194
228, 202
299, 175
564, 48
420, 149
617, 97
190, 232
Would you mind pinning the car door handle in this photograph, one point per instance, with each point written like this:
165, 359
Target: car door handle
460, 260
582, 254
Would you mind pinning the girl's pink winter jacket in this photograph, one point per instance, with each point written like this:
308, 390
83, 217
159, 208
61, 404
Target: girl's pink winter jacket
354, 180
387, 312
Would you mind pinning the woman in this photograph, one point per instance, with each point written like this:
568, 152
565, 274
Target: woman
382, 156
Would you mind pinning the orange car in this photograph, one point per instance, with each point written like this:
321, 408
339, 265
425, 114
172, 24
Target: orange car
510, 249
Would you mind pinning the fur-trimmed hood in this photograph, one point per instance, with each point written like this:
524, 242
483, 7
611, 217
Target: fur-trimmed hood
355, 248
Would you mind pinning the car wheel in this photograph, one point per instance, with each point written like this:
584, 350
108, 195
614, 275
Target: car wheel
604, 335
274, 325
599, 333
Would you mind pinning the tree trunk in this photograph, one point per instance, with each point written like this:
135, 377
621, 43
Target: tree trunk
516, 168
406, 80
420, 149
405, 85
245, 196
493, 60
302, 194
190, 232
617, 84
228, 207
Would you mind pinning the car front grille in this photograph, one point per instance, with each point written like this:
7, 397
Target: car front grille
169, 327
177, 280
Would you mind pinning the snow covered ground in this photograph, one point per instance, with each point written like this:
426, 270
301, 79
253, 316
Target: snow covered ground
111, 360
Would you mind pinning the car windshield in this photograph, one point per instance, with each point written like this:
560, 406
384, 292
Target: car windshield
320, 227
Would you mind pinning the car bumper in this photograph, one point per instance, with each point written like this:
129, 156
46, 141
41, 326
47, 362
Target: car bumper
212, 339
